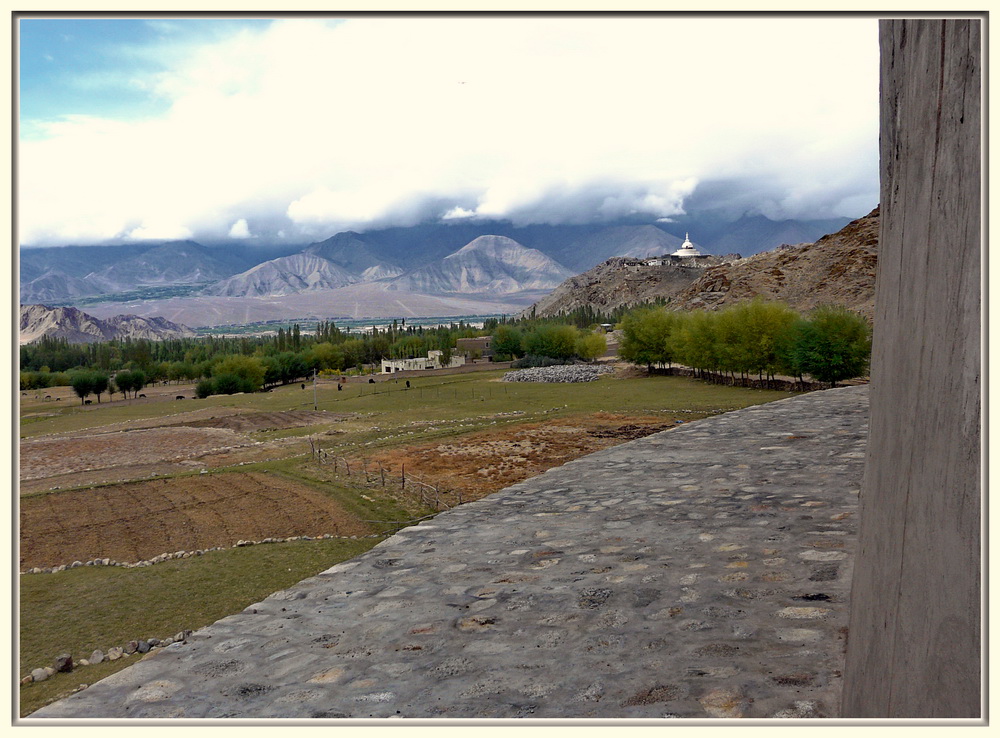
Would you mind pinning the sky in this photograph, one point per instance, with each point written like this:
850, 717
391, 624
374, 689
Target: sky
293, 129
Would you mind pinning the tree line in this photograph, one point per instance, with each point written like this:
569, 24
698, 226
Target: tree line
760, 338
223, 364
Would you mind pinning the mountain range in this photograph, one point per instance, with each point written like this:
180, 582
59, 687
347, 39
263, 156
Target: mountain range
77, 326
431, 258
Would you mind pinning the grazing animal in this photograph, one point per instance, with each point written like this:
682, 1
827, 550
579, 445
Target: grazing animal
407, 384
179, 397
48, 397
371, 381
303, 386
340, 387
141, 395
87, 402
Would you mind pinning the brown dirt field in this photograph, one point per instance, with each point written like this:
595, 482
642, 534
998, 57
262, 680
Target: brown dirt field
136, 521
47, 457
249, 422
482, 463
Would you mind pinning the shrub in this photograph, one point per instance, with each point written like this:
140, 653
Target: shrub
591, 345
204, 388
533, 360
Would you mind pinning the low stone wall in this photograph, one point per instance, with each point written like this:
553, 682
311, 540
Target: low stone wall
65, 663
184, 554
566, 373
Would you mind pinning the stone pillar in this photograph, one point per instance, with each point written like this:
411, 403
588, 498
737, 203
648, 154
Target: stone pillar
914, 639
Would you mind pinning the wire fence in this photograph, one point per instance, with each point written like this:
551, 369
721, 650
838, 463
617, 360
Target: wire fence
375, 474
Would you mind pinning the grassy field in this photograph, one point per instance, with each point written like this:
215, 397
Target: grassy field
78, 610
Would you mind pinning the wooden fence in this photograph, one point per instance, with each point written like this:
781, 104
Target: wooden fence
375, 474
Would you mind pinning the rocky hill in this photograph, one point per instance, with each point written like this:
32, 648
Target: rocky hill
619, 282
487, 265
77, 326
837, 269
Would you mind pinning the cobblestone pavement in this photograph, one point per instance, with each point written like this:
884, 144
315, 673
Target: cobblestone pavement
700, 572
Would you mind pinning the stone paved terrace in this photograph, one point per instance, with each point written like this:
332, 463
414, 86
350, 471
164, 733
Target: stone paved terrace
700, 572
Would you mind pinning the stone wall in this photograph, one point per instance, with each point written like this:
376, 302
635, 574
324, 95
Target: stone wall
914, 648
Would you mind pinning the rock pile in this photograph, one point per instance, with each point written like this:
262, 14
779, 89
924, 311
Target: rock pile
567, 373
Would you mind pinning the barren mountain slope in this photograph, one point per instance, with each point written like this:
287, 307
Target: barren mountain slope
284, 276
615, 284
489, 265
838, 269
77, 326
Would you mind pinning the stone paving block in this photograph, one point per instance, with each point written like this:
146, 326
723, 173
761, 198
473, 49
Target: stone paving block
702, 572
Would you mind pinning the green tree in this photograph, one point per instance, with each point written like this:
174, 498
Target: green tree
553, 341
507, 343
647, 337
99, 384
589, 346
82, 384
696, 342
834, 344
249, 369
227, 383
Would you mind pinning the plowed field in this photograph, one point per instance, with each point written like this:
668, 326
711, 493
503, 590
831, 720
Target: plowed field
50, 457
482, 463
136, 521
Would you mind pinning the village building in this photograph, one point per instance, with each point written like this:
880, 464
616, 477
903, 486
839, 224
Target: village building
421, 363
475, 348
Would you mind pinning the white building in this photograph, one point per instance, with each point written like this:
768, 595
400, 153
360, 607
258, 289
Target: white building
431, 361
687, 248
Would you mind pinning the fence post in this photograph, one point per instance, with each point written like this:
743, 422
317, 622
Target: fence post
381, 472
402, 474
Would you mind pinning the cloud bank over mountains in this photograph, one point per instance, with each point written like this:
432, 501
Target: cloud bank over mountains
306, 127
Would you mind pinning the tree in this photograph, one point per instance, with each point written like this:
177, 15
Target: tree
752, 333
82, 384
591, 345
248, 369
554, 341
834, 344
507, 343
696, 341
647, 337
130, 380
99, 384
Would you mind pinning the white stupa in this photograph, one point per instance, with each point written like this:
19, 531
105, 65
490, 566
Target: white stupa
687, 248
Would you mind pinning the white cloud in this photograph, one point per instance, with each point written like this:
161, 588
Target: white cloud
457, 213
159, 230
240, 229
324, 126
